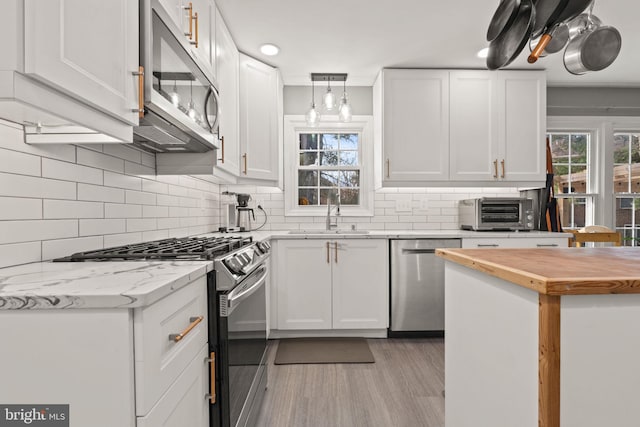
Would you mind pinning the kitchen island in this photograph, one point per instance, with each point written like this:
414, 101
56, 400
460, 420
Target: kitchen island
542, 337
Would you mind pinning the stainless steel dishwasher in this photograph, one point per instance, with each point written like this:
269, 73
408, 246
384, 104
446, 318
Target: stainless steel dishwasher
417, 287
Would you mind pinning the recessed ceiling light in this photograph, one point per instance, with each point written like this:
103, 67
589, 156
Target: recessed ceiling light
269, 49
483, 53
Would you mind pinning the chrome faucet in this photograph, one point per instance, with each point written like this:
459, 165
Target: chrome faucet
331, 224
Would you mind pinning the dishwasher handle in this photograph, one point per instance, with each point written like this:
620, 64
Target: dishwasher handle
418, 251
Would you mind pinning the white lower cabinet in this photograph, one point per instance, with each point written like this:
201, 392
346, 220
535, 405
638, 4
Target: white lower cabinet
331, 284
515, 242
112, 366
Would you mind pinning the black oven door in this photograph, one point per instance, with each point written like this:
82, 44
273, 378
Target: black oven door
243, 342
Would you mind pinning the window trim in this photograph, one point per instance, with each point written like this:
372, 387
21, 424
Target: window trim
329, 124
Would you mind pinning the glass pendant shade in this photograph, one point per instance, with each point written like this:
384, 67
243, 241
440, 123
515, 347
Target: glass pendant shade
313, 116
329, 100
174, 96
345, 113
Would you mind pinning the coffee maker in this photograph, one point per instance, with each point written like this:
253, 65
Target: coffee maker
244, 213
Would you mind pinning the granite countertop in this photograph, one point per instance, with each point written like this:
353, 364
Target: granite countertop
557, 271
68, 285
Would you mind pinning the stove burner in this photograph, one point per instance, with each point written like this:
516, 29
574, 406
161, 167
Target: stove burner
185, 248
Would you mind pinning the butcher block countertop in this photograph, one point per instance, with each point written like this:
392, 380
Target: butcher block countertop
557, 271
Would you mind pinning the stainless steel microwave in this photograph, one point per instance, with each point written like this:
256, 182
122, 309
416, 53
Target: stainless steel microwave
181, 103
496, 214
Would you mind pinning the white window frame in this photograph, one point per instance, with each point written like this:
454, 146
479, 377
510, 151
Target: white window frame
295, 124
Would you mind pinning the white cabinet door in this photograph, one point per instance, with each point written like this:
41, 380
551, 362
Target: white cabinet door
206, 20
227, 63
415, 125
360, 284
86, 48
177, 12
473, 132
522, 125
515, 242
304, 284
259, 87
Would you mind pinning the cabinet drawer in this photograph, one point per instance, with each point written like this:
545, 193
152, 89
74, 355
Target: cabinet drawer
185, 403
159, 360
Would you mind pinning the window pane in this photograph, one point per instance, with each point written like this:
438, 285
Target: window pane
572, 212
308, 141
350, 179
328, 194
349, 141
349, 158
307, 178
329, 178
579, 148
328, 158
308, 196
627, 217
329, 141
307, 159
560, 148
349, 196
621, 148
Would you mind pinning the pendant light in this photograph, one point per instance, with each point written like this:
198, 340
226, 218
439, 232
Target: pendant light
175, 96
313, 116
329, 99
344, 111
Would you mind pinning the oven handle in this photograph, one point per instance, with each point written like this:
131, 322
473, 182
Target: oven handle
240, 293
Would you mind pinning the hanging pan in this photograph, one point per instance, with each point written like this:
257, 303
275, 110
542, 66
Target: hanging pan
560, 39
512, 39
503, 17
565, 11
593, 50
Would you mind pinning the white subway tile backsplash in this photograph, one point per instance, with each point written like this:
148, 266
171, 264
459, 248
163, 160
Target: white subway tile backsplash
164, 223
165, 200
155, 235
122, 181
35, 230
123, 152
139, 198
178, 212
148, 159
146, 224
98, 160
112, 210
95, 227
175, 190
12, 139
100, 194
59, 248
20, 163
67, 209
71, 172
155, 211
111, 240
151, 186
20, 208
138, 169
20, 253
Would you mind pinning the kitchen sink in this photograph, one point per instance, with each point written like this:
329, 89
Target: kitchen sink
328, 232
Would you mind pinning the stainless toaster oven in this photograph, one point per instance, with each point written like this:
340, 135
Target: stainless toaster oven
496, 214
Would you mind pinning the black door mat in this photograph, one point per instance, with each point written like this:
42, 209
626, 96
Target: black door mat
323, 350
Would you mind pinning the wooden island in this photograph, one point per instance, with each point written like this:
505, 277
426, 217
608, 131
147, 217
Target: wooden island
542, 337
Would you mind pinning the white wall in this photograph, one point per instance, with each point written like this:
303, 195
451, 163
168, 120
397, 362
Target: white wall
60, 199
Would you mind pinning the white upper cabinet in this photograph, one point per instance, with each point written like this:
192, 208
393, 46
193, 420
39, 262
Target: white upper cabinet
463, 127
498, 126
415, 125
260, 119
86, 48
227, 63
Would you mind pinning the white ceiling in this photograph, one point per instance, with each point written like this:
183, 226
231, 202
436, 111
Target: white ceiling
359, 37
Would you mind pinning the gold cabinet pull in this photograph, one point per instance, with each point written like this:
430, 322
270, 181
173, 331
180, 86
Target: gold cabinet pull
328, 258
495, 168
222, 148
190, 9
140, 75
502, 164
194, 321
244, 157
388, 167
195, 17
212, 386
335, 256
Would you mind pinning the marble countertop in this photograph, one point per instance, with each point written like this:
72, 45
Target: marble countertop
69, 285
404, 234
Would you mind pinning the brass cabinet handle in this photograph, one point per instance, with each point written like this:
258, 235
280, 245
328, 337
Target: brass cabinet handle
194, 321
388, 168
212, 385
190, 9
328, 258
244, 157
195, 17
495, 168
502, 164
140, 75
222, 148
335, 256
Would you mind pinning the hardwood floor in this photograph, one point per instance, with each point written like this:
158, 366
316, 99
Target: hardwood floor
403, 388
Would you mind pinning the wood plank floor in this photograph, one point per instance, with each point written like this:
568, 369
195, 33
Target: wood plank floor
403, 388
